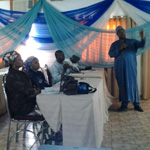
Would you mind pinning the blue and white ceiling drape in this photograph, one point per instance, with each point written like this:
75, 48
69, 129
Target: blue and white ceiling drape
87, 16
72, 31
138, 10
40, 33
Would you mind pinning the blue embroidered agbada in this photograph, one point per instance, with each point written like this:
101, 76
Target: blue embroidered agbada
125, 67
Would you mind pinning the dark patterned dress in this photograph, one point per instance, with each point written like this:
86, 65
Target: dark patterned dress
20, 88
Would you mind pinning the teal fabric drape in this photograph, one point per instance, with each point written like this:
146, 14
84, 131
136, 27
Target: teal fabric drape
12, 35
75, 38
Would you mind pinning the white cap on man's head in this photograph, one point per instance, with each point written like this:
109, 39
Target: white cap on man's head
119, 28
78, 54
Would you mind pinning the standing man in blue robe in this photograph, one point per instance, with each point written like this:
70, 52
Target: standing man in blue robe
125, 67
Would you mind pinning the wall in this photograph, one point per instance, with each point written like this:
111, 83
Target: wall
4, 5
18, 5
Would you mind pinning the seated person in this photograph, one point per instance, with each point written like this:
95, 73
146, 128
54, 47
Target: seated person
73, 62
20, 90
58, 69
31, 66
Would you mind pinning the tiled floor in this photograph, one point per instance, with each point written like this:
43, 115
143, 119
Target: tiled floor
23, 144
124, 131
128, 130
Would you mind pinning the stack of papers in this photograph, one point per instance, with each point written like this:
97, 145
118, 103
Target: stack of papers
50, 90
87, 74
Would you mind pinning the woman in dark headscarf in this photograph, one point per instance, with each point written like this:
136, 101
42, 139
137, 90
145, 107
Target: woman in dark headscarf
21, 91
32, 66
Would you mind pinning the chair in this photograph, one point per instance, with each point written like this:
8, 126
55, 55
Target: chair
3, 108
22, 121
48, 75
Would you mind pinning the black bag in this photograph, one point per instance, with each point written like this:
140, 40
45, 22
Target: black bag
69, 85
85, 88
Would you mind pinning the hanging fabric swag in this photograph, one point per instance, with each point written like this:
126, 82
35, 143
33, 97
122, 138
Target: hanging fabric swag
71, 36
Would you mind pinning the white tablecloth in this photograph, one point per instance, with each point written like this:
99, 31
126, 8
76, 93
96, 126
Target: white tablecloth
82, 116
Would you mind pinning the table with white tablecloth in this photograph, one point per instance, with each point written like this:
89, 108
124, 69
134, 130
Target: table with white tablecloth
82, 116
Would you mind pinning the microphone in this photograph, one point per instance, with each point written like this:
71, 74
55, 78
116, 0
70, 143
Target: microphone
125, 45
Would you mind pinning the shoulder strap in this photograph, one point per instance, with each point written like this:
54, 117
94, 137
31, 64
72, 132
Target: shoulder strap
91, 89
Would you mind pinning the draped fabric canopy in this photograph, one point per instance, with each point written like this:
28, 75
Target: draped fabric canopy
40, 33
72, 33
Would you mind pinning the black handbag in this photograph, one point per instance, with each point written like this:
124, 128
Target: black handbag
69, 85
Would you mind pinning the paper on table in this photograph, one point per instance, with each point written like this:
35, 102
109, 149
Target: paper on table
87, 74
50, 90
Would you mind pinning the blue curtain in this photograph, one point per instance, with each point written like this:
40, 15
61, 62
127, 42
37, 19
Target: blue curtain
90, 14
87, 15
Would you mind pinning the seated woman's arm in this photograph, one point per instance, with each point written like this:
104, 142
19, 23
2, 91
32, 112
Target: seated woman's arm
23, 85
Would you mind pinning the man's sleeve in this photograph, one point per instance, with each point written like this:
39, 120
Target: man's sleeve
139, 44
114, 50
56, 76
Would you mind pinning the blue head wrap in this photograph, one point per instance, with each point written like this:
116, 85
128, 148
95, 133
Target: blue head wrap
28, 62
